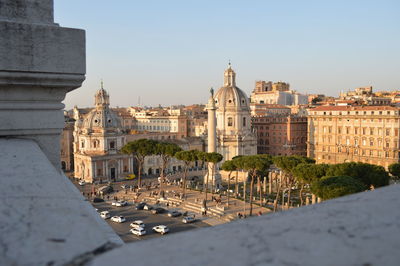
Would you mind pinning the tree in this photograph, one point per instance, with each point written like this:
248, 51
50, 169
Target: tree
229, 166
188, 157
336, 186
287, 164
254, 164
213, 158
166, 151
394, 170
307, 173
368, 174
237, 175
140, 149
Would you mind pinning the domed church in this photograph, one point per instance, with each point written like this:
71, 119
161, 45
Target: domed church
97, 139
233, 119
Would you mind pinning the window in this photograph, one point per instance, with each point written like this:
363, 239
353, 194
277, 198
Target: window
112, 145
386, 154
371, 153
364, 142
371, 142
387, 144
244, 121
347, 130
230, 121
356, 142
388, 132
364, 131
339, 130
371, 131
329, 129
82, 144
356, 130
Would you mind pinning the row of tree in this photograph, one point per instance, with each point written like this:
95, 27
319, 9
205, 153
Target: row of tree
143, 148
326, 181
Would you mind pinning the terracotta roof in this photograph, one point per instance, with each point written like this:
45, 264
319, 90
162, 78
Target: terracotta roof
352, 108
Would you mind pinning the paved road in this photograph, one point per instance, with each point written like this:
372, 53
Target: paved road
150, 220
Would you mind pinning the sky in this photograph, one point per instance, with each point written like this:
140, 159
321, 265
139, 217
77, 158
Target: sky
172, 52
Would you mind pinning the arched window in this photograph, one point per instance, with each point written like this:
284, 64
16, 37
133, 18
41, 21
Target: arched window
95, 143
230, 121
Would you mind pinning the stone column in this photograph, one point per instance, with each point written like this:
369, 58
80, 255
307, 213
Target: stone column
212, 139
39, 63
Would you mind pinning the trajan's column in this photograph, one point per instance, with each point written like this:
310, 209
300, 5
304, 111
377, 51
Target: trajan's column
214, 177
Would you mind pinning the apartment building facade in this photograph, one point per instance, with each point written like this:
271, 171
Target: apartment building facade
369, 134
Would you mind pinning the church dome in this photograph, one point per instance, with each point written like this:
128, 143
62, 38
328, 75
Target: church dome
102, 117
229, 96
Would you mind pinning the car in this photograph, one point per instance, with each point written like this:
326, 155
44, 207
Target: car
105, 189
147, 207
81, 182
140, 206
162, 229
137, 224
174, 214
113, 203
121, 203
105, 214
188, 219
157, 210
98, 200
118, 219
124, 186
139, 231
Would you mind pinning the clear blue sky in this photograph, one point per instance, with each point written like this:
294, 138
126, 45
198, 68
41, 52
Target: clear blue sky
172, 52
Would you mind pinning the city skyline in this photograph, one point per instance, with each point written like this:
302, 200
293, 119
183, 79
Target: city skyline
316, 47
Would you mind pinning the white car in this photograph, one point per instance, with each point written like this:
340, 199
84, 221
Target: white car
147, 207
118, 219
188, 219
105, 214
121, 203
81, 182
137, 224
162, 229
138, 231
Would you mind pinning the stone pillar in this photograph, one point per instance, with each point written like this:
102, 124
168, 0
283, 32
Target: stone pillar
39, 63
214, 178
313, 199
265, 184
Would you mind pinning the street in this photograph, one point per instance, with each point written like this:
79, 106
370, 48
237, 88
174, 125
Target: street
150, 220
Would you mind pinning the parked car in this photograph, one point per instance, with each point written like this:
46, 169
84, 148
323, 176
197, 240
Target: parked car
138, 231
174, 214
105, 214
162, 229
105, 189
137, 224
118, 219
124, 186
157, 210
147, 207
81, 182
121, 203
188, 219
113, 203
98, 200
140, 206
